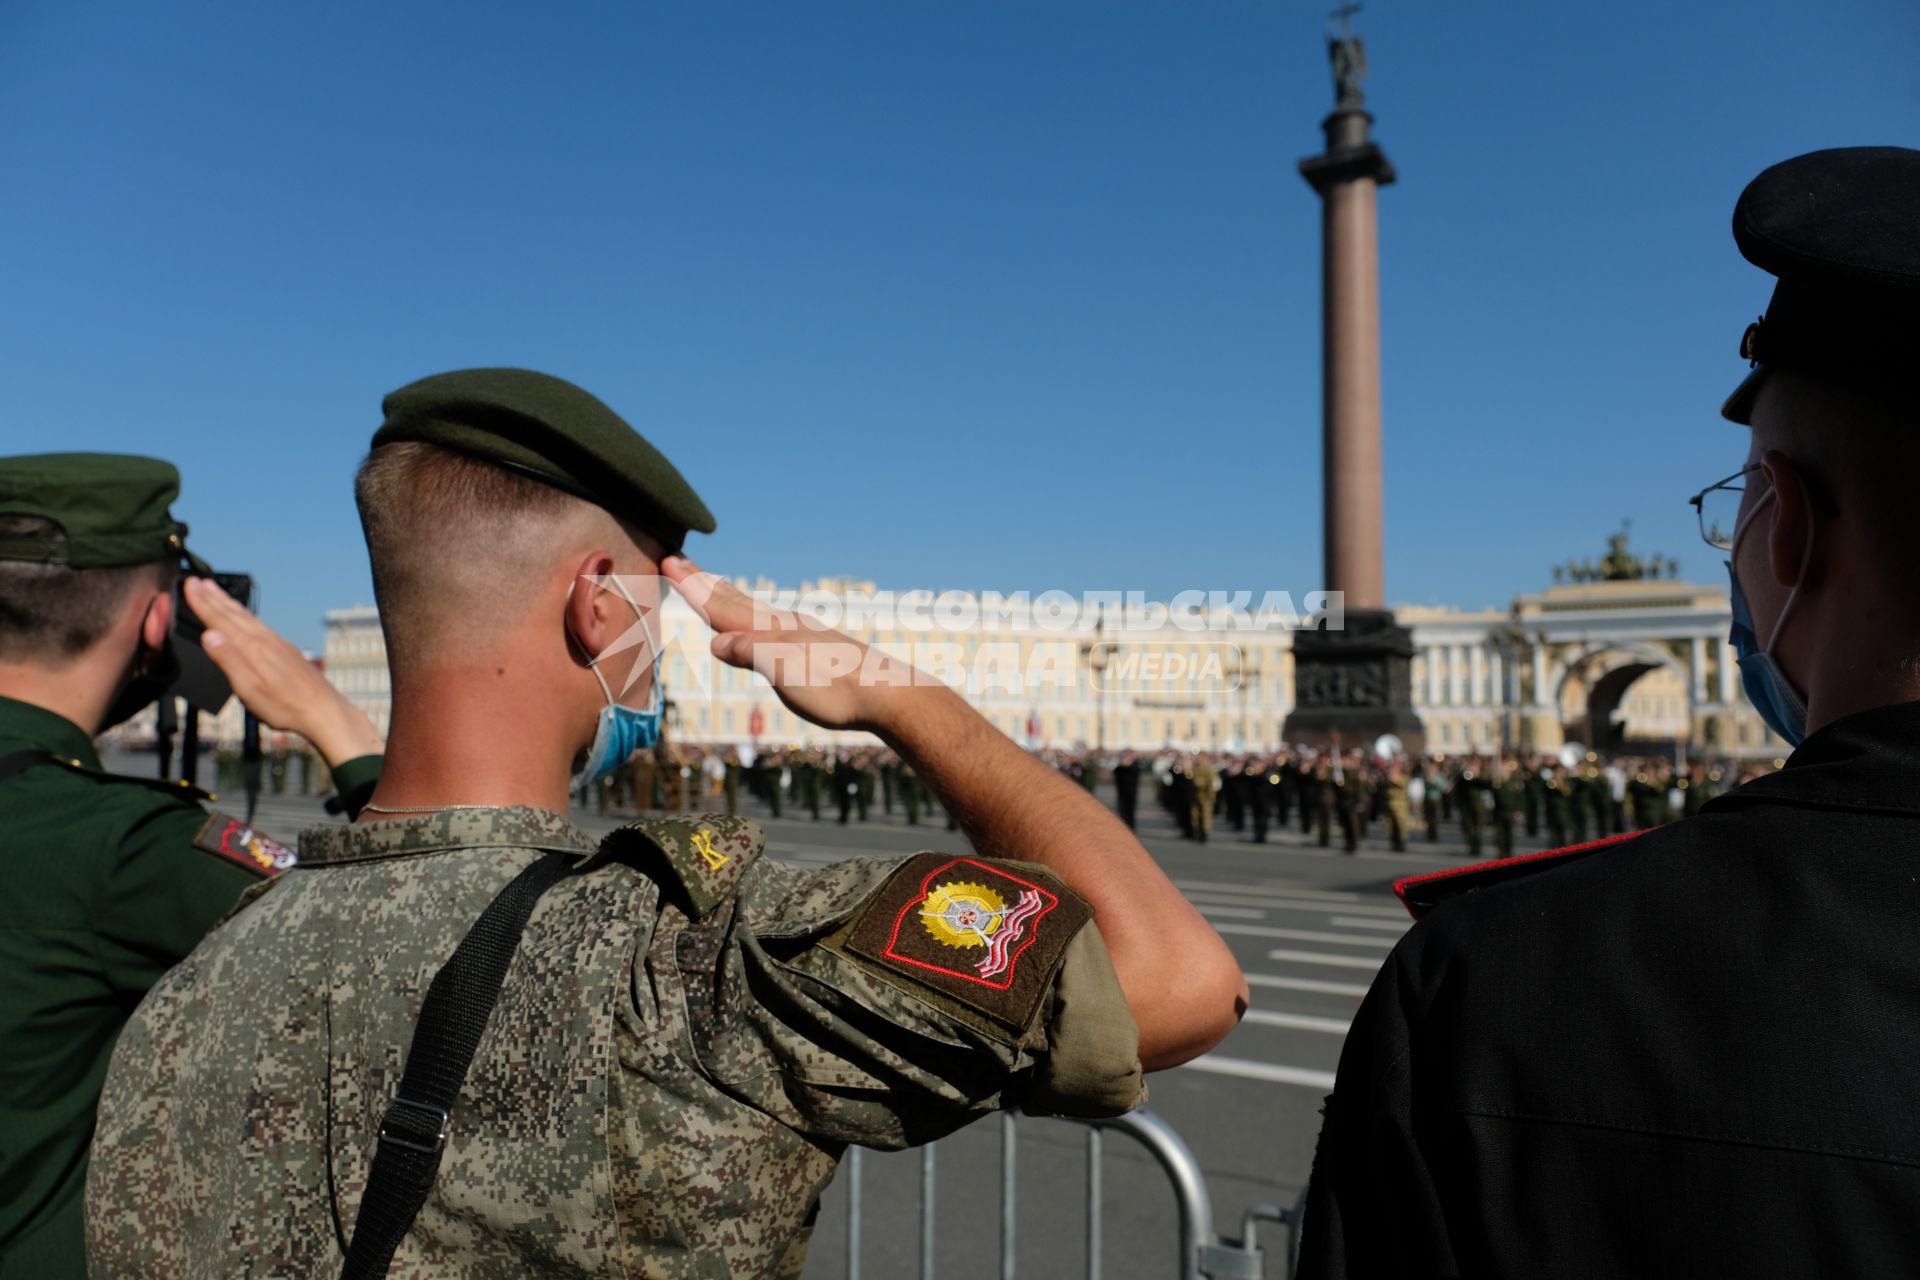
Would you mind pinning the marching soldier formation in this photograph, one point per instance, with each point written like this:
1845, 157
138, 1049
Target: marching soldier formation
1494, 805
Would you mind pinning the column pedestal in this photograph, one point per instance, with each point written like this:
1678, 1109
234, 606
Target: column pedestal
1357, 682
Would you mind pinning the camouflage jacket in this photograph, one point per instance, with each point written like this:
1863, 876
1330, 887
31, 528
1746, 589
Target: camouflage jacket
686, 1041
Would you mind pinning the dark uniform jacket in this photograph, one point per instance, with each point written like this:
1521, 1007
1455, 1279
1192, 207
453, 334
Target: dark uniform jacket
105, 883
1691, 1052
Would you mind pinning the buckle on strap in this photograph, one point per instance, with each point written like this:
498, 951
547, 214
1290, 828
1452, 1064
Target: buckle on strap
415, 1126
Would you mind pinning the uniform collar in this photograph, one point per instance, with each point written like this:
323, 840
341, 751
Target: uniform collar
1868, 760
23, 722
519, 827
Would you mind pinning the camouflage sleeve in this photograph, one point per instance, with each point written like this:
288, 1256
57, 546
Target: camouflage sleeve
890, 1001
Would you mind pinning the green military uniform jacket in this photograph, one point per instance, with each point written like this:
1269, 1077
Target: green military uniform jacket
105, 882
687, 1039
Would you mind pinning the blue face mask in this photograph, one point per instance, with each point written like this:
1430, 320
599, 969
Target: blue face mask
622, 730
1768, 689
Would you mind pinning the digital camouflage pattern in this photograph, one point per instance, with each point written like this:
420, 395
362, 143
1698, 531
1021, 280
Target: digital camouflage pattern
681, 1051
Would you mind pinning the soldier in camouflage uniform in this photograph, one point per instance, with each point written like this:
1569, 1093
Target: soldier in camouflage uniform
1206, 787
1393, 787
689, 1034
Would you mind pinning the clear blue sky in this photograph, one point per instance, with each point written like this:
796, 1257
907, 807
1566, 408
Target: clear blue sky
985, 294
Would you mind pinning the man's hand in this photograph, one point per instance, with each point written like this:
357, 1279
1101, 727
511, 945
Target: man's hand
821, 675
274, 681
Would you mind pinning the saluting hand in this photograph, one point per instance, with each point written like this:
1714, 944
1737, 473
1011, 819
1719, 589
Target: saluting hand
827, 677
275, 681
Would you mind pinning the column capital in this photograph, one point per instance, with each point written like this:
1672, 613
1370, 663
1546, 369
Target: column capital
1350, 155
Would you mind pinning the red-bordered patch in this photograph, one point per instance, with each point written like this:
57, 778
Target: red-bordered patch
983, 932
242, 844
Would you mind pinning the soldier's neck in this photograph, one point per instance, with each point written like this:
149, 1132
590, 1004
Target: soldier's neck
475, 736
1850, 659
79, 691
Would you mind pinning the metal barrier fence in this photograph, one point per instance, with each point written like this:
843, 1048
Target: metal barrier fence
1203, 1253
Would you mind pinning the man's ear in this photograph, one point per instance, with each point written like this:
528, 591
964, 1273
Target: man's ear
588, 619
156, 620
1789, 522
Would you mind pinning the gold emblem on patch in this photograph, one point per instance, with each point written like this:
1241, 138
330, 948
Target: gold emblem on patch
962, 915
703, 845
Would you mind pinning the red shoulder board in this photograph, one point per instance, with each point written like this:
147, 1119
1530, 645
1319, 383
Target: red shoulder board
1421, 894
240, 843
984, 933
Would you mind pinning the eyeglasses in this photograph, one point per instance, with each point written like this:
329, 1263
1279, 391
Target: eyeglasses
1718, 506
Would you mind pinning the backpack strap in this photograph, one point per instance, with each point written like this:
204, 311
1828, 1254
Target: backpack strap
413, 1133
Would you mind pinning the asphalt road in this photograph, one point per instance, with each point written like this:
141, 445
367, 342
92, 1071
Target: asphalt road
1309, 925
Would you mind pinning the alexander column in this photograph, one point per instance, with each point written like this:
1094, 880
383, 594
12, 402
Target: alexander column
1357, 681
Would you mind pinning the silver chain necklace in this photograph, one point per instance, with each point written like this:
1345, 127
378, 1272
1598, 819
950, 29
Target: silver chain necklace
421, 808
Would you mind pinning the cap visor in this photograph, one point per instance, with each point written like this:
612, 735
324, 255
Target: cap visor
1739, 405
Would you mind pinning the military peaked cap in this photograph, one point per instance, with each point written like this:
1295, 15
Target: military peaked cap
551, 430
108, 509
1841, 231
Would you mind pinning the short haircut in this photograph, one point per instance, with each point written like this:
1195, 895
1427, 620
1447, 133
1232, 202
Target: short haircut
53, 613
459, 546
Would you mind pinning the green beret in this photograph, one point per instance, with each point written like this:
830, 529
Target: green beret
110, 509
551, 430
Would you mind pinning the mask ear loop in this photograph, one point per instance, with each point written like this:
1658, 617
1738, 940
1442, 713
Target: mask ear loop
1793, 596
593, 659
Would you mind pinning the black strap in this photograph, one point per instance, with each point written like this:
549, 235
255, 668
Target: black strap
414, 1130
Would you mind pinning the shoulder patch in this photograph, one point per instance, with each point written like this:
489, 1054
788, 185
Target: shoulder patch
707, 854
1422, 893
974, 930
243, 844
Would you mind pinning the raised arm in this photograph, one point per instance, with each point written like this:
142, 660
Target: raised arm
1181, 982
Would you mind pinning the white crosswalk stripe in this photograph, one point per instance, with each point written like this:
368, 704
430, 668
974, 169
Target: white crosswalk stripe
1297, 1021
1317, 957
1271, 886
1319, 986
1296, 904
1304, 935
1251, 1070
